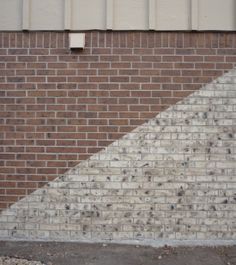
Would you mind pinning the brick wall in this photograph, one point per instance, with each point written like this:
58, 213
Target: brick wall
172, 178
58, 107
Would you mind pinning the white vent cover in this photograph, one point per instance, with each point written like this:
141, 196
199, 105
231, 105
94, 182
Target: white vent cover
77, 40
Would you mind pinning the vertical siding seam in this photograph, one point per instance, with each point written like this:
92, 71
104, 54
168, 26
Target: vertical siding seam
152, 14
26, 14
67, 14
109, 14
194, 14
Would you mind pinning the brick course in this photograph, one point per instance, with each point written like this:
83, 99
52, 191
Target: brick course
58, 107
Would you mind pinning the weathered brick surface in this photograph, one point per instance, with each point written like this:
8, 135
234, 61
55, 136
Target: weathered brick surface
170, 178
59, 107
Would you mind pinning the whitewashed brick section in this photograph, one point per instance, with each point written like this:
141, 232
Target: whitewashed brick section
171, 178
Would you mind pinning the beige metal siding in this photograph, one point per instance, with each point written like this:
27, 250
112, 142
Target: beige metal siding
217, 14
118, 14
131, 14
11, 14
171, 16
88, 14
46, 14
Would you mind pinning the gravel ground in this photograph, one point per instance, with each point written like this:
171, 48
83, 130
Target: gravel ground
16, 261
55, 253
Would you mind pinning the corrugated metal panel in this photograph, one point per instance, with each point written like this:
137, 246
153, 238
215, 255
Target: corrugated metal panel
118, 14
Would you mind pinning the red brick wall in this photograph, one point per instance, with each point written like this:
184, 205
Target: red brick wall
59, 107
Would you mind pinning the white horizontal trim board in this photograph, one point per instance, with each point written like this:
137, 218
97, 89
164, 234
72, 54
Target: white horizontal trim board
117, 15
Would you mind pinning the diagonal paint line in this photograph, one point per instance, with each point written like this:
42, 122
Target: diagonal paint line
161, 148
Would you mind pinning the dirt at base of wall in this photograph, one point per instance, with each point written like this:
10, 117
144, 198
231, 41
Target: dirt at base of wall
53, 253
